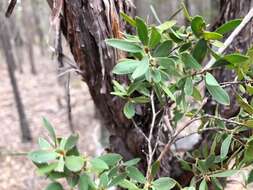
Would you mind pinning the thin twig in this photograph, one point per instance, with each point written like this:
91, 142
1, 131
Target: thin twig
152, 126
140, 131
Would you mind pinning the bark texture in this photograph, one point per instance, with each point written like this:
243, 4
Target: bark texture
86, 24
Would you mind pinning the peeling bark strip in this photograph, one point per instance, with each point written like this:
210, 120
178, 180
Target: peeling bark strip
10, 8
87, 24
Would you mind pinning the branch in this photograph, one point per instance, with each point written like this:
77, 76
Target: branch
230, 39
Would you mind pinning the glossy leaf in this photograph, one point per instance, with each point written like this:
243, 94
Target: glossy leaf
203, 185
217, 92
225, 146
132, 162
155, 38
227, 173
163, 49
74, 163
200, 50
71, 142
50, 129
42, 156
212, 35
189, 61
135, 174
110, 159
235, 58
129, 110
198, 25
141, 69
166, 25
128, 19
188, 87
47, 168
228, 26
99, 165
54, 186
142, 30
164, 183
126, 66
124, 45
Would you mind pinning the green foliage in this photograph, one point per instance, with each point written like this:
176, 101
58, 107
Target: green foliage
165, 71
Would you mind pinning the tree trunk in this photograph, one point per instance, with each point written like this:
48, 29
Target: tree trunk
7, 48
29, 38
86, 25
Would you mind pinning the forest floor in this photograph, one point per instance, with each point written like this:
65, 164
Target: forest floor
43, 96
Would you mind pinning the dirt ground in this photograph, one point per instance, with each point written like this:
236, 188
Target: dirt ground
42, 96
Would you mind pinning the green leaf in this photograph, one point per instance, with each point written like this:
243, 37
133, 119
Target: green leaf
128, 19
235, 58
74, 163
42, 156
104, 180
84, 182
250, 177
117, 179
46, 168
166, 25
124, 45
198, 25
200, 50
99, 165
248, 153
155, 168
156, 75
196, 94
188, 87
212, 35
227, 173
111, 159
71, 142
168, 92
228, 26
142, 30
72, 180
203, 185
244, 104
154, 38
189, 61
217, 92
142, 68
132, 162
60, 165
129, 110
163, 49
135, 174
164, 183
54, 186
141, 99
50, 129
125, 66
165, 62
126, 184
44, 144
119, 87
225, 146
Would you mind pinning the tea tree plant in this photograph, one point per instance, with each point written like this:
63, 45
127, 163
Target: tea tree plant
165, 70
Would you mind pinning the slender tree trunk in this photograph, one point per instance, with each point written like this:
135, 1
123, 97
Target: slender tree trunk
29, 38
7, 48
